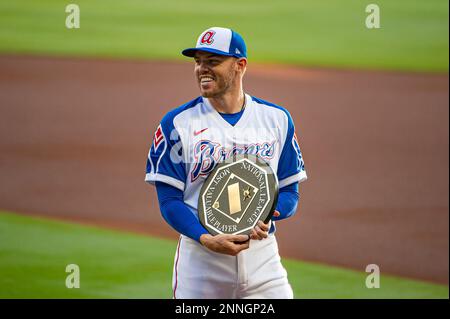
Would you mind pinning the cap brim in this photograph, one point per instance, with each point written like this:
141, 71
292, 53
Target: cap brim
191, 52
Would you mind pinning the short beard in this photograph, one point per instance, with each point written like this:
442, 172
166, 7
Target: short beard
227, 84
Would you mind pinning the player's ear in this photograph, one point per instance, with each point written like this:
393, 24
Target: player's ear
242, 64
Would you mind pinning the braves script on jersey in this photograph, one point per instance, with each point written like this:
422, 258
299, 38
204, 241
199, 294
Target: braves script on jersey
193, 138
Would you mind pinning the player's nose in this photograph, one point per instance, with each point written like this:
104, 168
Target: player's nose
202, 68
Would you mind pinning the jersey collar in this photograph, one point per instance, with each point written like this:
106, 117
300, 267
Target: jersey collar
222, 122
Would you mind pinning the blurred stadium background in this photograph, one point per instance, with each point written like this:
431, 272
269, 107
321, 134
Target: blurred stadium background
78, 108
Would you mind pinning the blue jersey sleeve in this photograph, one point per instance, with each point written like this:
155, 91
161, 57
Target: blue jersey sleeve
287, 203
165, 159
291, 168
176, 213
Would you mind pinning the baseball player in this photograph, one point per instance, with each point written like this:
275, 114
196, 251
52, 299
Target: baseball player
187, 145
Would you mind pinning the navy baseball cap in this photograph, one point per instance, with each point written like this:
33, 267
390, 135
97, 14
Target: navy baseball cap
220, 41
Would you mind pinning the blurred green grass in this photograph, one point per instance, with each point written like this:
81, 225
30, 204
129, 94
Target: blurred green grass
330, 33
34, 253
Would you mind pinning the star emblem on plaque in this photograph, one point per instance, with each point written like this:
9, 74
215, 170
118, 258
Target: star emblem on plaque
237, 194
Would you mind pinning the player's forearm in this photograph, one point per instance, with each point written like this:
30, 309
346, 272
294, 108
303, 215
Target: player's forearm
176, 213
287, 201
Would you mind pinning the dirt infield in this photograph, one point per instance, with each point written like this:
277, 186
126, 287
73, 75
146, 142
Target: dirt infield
74, 137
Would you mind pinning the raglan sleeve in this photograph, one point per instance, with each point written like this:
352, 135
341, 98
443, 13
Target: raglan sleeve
291, 167
165, 158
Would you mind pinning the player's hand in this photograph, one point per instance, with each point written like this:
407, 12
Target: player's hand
225, 244
261, 230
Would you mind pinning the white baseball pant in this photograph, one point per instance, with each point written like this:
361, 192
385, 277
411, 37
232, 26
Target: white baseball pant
255, 273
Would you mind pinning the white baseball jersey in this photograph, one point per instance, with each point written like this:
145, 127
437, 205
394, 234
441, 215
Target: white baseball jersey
193, 138
187, 145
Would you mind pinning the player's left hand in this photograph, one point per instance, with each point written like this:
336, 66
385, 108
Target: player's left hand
261, 230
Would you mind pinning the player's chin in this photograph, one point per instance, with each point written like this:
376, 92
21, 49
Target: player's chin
207, 94
207, 90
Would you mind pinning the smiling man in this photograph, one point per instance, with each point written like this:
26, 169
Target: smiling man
190, 141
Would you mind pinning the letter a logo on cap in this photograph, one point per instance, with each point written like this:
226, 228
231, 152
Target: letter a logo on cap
221, 41
207, 38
